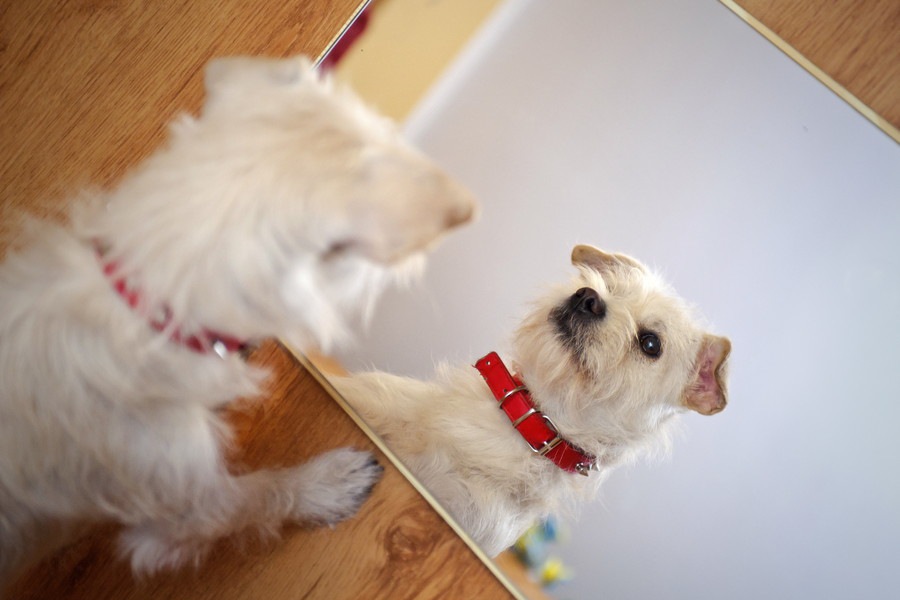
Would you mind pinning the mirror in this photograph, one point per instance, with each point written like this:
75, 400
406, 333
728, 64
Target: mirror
677, 134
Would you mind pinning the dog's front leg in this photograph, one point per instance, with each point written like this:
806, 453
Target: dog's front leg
387, 403
325, 490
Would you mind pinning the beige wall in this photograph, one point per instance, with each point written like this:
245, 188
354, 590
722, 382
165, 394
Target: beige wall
406, 46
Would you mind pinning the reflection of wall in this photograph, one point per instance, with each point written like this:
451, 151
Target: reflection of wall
673, 132
407, 44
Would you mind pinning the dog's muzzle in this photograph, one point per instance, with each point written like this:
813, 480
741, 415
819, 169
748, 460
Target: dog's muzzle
587, 302
580, 311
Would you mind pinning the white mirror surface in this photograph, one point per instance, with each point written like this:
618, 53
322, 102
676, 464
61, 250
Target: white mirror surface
676, 133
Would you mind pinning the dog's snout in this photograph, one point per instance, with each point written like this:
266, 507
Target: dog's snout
587, 301
461, 206
461, 213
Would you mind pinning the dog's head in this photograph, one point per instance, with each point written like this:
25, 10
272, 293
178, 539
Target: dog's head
363, 188
286, 199
618, 353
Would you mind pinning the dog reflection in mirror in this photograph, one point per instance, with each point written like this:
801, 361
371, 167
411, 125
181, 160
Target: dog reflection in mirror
280, 211
602, 365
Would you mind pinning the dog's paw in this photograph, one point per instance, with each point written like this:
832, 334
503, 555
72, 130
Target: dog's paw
332, 486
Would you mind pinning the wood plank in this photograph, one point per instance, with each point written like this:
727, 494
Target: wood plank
855, 42
396, 547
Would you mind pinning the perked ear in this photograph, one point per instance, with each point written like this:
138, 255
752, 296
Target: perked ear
706, 393
602, 262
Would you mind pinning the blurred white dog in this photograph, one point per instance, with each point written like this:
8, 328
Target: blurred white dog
280, 211
603, 364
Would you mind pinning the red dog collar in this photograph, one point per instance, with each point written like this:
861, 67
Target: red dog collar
538, 430
203, 342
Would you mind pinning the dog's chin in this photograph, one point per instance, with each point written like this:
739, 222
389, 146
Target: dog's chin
336, 295
409, 269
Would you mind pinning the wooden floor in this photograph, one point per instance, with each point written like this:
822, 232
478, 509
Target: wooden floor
855, 42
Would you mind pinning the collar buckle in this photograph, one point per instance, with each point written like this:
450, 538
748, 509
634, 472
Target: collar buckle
551, 444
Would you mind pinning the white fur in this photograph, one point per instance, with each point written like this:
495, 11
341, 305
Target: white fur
603, 393
280, 211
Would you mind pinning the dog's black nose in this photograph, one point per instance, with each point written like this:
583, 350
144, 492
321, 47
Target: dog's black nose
588, 302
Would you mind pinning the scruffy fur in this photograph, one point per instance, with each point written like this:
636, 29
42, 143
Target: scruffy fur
279, 211
585, 370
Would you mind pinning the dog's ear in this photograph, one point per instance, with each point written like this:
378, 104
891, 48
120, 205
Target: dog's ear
706, 393
243, 74
602, 262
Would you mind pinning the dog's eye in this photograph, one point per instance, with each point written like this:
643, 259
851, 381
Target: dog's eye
650, 344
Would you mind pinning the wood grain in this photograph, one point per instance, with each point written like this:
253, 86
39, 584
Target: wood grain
856, 42
396, 547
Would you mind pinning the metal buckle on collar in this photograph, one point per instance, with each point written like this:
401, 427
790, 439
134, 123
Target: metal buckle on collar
548, 446
527, 414
515, 390
507, 396
222, 351
219, 347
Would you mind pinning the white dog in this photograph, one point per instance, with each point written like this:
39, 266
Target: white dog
603, 364
277, 212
